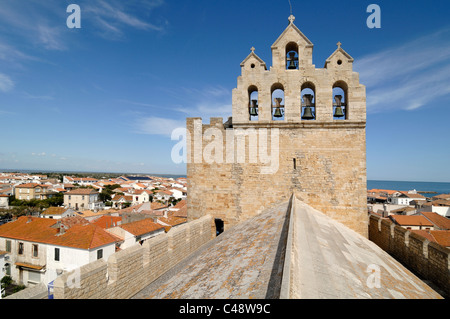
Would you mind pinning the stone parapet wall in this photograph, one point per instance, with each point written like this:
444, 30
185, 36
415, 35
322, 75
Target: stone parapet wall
128, 271
427, 259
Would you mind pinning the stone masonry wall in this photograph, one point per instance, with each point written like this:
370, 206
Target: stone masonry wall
330, 173
129, 271
427, 259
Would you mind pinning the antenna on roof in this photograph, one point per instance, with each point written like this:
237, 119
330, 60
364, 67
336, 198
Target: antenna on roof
290, 6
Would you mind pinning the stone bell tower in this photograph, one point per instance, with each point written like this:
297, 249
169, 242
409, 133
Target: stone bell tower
310, 120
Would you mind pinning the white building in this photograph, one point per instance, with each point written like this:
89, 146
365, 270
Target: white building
4, 201
40, 249
141, 196
441, 207
405, 198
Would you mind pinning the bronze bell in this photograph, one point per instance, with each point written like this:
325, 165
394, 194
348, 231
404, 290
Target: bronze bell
308, 114
254, 108
277, 112
292, 60
338, 112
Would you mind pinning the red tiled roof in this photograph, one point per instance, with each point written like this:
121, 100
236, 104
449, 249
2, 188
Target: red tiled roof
82, 191
440, 221
31, 185
411, 220
54, 211
43, 230
107, 221
141, 227
442, 237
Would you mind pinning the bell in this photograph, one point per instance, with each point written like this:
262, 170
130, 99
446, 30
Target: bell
308, 114
277, 112
338, 112
292, 60
254, 109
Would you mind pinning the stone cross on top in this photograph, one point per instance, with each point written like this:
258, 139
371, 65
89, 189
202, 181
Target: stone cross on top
291, 18
339, 44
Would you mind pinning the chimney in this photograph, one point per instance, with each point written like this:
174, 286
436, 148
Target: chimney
29, 219
61, 228
385, 211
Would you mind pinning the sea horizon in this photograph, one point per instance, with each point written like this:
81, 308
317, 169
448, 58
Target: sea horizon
435, 188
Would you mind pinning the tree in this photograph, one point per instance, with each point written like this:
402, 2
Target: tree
107, 192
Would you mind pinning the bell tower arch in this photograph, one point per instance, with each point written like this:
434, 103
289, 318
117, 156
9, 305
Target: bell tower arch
319, 115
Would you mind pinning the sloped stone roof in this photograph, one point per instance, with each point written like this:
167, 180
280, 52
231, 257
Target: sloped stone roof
320, 258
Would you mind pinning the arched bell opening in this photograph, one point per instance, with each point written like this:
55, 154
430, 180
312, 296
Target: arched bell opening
308, 101
253, 103
277, 94
292, 56
340, 101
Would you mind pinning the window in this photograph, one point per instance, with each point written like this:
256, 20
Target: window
340, 101
56, 254
277, 93
308, 101
99, 253
20, 250
8, 246
35, 250
253, 102
295, 163
292, 56
34, 276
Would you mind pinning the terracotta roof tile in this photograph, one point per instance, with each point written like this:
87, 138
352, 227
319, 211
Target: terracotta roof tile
44, 230
141, 227
440, 221
411, 220
82, 191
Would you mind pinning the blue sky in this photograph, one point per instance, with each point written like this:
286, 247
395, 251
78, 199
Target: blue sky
106, 97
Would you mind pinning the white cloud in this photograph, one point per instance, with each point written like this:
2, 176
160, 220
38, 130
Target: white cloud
214, 102
157, 125
6, 84
50, 38
408, 76
39, 154
112, 16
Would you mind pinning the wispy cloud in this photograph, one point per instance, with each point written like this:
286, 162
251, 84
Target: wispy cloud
112, 17
211, 101
407, 76
157, 125
6, 84
51, 38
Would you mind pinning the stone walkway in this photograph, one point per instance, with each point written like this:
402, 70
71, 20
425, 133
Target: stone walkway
243, 262
327, 260
332, 261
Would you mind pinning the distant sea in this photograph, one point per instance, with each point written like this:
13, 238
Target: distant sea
439, 188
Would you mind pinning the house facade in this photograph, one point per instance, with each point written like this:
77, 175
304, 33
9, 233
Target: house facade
82, 199
40, 249
4, 201
31, 191
141, 196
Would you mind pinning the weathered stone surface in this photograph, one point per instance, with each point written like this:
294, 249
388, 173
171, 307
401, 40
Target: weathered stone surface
330, 155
